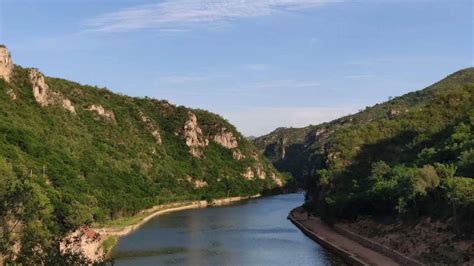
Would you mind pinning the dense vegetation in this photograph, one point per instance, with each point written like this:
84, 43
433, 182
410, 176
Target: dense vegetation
411, 156
60, 170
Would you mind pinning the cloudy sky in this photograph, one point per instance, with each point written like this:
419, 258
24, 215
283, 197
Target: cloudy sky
262, 64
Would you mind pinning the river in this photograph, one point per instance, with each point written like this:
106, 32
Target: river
251, 232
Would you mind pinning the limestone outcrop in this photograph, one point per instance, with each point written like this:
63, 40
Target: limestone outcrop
84, 241
237, 155
393, 112
261, 172
193, 136
254, 155
277, 180
197, 184
248, 173
151, 126
226, 139
102, 112
200, 184
283, 143
46, 97
12, 94
6, 64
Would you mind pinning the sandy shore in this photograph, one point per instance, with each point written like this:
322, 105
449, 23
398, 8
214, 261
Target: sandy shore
351, 251
93, 248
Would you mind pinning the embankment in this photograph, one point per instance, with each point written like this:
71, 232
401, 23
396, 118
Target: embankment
353, 252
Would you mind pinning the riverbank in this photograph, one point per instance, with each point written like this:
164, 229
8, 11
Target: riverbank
351, 251
90, 241
255, 232
412, 242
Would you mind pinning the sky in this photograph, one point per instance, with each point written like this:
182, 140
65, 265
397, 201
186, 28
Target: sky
261, 64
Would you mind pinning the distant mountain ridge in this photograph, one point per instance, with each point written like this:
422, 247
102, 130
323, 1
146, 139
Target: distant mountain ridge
401, 172
301, 151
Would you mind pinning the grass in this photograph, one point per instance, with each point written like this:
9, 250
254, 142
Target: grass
109, 243
125, 221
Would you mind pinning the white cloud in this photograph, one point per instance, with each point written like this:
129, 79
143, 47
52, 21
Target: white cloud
172, 13
257, 121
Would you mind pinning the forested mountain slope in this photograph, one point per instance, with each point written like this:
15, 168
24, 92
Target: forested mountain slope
72, 155
302, 151
409, 158
422, 155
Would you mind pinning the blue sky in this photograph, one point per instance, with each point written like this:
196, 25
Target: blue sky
261, 64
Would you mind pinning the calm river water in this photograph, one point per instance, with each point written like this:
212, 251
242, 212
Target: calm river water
252, 232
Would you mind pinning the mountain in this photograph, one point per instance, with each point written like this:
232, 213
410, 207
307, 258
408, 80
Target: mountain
400, 172
72, 155
389, 157
303, 151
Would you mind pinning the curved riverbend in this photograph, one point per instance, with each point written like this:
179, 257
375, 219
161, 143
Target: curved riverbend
252, 232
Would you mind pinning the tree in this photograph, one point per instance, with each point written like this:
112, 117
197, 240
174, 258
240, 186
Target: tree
380, 169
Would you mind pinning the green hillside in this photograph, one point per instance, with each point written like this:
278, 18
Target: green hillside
72, 155
301, 151
412, 155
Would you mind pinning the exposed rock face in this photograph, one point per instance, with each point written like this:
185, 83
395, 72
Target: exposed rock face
40, 88
320, 131
396, 112
248, 173
46, 97
193, 136
283, 143
84, 241
237, 155
226, 139
254, 155
197, 183
277, 180
67, 104
12, 94
101, 111
261, 172
151, 126
6, 64
200, 184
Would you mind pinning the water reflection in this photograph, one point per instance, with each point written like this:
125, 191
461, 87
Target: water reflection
254, 232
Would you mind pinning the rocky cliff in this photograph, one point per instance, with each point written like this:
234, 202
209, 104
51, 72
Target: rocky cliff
6, 64
77, 155
44, 96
